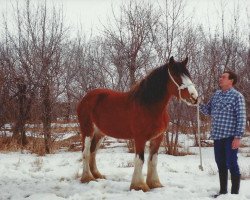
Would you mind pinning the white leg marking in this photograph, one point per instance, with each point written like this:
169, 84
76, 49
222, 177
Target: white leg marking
152, 175
86, 156
137, 175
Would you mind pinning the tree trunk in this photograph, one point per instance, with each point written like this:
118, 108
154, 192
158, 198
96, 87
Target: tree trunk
167, 142
171, 143
175, 150
68, 108
132, 76
46, 118
19, 128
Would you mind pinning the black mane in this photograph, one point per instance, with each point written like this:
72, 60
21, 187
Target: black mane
153, 87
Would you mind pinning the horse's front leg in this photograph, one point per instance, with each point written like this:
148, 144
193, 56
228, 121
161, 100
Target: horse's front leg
138, 182
152, 175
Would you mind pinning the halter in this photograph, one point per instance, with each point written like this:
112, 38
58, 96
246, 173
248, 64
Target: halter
182, 87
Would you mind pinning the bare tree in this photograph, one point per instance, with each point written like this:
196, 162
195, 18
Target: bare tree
172, 24
130, 39
13, 91
89, 62
38, 48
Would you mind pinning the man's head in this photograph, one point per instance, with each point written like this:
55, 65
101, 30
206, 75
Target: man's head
227, 80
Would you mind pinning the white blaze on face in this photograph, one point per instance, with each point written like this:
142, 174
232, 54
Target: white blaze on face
190, 86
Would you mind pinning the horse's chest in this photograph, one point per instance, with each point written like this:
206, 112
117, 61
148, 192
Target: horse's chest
160, 128
153, 126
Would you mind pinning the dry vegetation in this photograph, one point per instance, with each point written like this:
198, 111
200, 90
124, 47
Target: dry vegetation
35, 142
36, 145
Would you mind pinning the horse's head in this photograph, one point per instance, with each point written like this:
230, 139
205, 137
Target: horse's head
184, 88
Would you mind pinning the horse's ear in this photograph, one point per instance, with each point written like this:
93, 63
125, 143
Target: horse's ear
171, 60
185, 61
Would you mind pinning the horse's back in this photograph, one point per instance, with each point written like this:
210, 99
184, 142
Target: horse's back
97, 96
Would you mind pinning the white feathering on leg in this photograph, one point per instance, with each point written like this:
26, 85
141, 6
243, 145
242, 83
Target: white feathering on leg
152, 169
86, 155
137, 175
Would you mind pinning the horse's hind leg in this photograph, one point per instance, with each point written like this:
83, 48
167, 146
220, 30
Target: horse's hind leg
86, 173
152, 175
87, 128
95, 144
138, 182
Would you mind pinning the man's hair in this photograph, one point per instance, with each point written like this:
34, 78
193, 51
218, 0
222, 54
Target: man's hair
231, 76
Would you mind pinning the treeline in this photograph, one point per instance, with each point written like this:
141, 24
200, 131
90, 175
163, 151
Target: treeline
45, 69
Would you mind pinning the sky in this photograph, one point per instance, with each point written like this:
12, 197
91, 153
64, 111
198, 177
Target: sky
91, 14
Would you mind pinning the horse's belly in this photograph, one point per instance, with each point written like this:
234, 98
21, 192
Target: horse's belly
114, 126
114, 131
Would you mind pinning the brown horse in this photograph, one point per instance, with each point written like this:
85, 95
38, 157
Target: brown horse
139, 114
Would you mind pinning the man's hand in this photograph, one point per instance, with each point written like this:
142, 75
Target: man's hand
236, 143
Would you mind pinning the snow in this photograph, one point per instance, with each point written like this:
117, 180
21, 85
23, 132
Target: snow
56, 176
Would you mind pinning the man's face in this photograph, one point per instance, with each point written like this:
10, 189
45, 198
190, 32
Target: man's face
225, 82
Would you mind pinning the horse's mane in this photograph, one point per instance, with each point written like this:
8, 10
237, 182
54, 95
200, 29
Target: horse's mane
152, 88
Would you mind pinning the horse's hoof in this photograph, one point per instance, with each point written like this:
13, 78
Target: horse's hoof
155, 185
98, 175
143, 186
87, 178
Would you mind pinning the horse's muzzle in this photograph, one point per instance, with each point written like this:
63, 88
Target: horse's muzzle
193, 101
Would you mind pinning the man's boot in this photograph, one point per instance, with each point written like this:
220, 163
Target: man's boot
223, 176
235, 184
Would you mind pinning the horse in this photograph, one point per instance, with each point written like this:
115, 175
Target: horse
139, 114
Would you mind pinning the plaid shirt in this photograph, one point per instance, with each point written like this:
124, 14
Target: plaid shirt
228, 112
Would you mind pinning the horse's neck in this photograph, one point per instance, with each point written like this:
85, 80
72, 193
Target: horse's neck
161, 105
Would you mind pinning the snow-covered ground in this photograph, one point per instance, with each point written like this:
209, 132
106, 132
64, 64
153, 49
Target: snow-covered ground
56, 176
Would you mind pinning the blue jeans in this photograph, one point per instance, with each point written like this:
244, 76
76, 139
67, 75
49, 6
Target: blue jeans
226, 157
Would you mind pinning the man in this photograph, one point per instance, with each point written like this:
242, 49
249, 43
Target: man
228, 117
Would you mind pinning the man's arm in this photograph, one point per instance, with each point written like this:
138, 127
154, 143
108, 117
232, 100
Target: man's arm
240, 109
206, 108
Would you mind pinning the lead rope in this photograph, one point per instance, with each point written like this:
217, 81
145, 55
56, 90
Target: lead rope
198, 116
199, 135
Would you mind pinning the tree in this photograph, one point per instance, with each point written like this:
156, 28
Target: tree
37, 43
171, 30
130, 40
